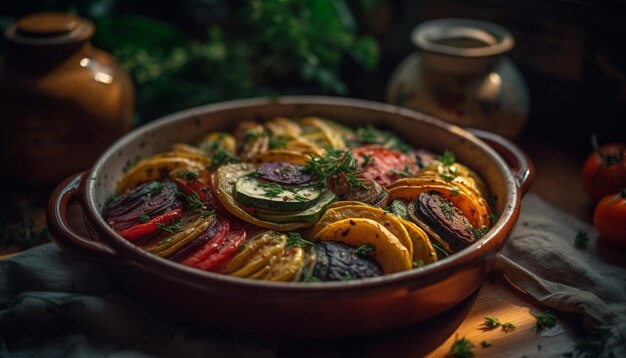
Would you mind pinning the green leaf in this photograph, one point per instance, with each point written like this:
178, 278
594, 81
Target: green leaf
366, 52
122, 31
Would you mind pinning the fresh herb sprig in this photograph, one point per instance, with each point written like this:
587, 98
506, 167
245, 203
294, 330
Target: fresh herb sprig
491, 322
222, 157
581, 239
476, 232
336, 164
447, 158
171, 228
365, 250
461, 348
545, 320
295, 239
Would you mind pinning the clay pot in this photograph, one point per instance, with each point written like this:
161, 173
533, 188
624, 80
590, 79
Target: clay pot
62, 101
278, 309
461, 75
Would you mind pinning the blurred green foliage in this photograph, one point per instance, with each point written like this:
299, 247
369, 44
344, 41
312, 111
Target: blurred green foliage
182, 54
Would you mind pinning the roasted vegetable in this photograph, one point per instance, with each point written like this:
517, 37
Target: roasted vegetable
142, 204
390, 253
445, 219
286, 175
283, 173
339, 262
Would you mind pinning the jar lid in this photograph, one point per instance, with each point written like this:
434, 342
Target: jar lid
49, 28
462, 37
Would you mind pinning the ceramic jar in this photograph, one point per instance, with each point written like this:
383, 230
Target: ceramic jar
461, 75
62, 101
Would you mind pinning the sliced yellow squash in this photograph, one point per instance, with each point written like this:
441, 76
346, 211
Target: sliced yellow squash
389, 252
387, 220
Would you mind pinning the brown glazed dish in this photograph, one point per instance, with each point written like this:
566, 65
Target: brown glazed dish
328, 309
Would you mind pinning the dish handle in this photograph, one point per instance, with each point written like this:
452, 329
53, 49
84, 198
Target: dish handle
521, 166
67, 192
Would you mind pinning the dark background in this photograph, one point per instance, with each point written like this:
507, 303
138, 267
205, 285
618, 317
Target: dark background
571, 53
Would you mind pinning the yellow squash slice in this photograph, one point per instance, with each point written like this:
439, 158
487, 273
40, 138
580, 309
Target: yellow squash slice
387, 220
389, 252
422, 248
154, 168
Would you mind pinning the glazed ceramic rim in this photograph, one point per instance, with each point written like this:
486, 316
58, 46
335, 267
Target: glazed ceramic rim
418, 277
497, 38
83, 31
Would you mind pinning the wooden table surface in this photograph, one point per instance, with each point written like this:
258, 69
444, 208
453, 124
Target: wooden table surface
495, 297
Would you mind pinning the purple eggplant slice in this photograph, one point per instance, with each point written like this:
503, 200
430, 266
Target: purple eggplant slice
339, 262
445, 219
148, 200
283, 173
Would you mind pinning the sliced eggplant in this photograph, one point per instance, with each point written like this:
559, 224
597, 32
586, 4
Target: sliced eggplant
283, 173
339, 262
440, 218
258, 193
150, 199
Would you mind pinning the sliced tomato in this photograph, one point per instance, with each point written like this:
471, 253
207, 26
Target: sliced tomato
205, 244
233, 240
384, 165
191, 181
152, 226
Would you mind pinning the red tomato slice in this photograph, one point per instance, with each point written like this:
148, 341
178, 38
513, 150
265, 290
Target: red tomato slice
189, 185
208, 243
384, 165
150, 227
234, 239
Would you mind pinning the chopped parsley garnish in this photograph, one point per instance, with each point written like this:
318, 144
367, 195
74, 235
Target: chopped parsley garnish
365, 250
347, 277
461, 348
477, 233
278, 142
491, 322
581, 239
447, 158
144, 218
508, 327
367, 158
171, 228
418, 263
157, 188
336, 164
402, 174
221, 157
206, 213
111, 198
447, 209
193, 201
251, 135
272, 190
368, 134
493, 218
187, 174
545, 320
447, 177
455, 191
295, 239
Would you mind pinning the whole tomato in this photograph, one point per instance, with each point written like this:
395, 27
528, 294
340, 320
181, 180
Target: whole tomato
610, 218
604, 171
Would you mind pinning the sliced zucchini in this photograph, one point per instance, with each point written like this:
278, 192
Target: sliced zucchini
258, 193
310, 215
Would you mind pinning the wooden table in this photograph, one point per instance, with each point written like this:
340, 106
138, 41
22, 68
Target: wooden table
434, 338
